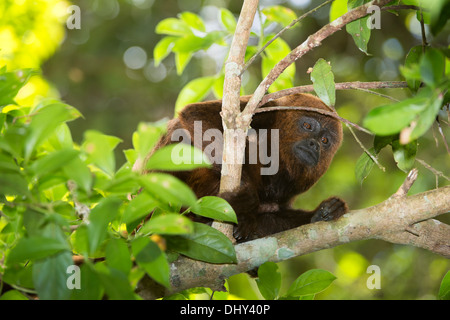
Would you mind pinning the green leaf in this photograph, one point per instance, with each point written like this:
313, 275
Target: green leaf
363, 166
52, 162
432, 66
311, 282
444, 289
163, 48
116, 283
411, 64
168, 189
228, 20
45, 122
215, 208
137, 209
50, 276
152, 260
177, 157
205, 244
279, 14
78, 171
90, 285
11, 83
358, 29
392, 118
146, 136
191, 44
337, 9
99, 149
181, 60
8, 165
169, 224
428, 115
195, 91
193, 21
99, 219
33, 248
323, 79
404, 155
269, 280
118, 255
13, 295
13, 184
173, 27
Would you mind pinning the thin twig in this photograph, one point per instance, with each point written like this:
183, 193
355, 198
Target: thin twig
355, 85
374, 158
294, 22
378, 94
407, 184
422, 29
435, 172
442, 135
321, 111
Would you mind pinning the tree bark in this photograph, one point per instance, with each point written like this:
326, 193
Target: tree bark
404, 220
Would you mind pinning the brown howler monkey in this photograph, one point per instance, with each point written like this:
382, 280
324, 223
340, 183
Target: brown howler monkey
307, 143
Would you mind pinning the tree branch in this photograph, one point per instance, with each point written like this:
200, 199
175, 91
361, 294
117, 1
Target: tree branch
234, 139
313, 41
387, 221
338, 86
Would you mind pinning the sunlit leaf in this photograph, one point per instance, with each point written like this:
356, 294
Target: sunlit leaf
168, 189
163, 48
228, 20
177, 157
173, 27
195, 91
215, 208
168, 224
279, 14
193, 20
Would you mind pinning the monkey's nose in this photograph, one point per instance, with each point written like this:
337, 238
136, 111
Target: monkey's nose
313, 145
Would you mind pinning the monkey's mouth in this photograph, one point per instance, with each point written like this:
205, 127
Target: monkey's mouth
306, 155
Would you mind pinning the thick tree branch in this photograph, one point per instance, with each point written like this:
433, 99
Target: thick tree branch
234, 132
387, 221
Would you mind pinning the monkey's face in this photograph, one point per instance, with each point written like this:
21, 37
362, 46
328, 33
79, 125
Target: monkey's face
316, 142
308, 143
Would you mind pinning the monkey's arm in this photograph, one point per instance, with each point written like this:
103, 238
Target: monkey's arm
264, 223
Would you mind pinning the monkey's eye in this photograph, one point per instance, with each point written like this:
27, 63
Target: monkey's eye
306, 125
324, 140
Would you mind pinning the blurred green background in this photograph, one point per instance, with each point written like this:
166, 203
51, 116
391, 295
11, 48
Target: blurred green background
106, 70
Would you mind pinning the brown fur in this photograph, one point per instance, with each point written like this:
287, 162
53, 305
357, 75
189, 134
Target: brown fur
262, 202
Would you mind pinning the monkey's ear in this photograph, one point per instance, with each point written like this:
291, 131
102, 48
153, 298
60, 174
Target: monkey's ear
264, 120
208, 113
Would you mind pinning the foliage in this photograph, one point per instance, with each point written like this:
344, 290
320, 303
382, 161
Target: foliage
59, 199
187, 35
63, 202
305, 287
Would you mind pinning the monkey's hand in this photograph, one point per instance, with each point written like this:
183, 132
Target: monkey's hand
330, 209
